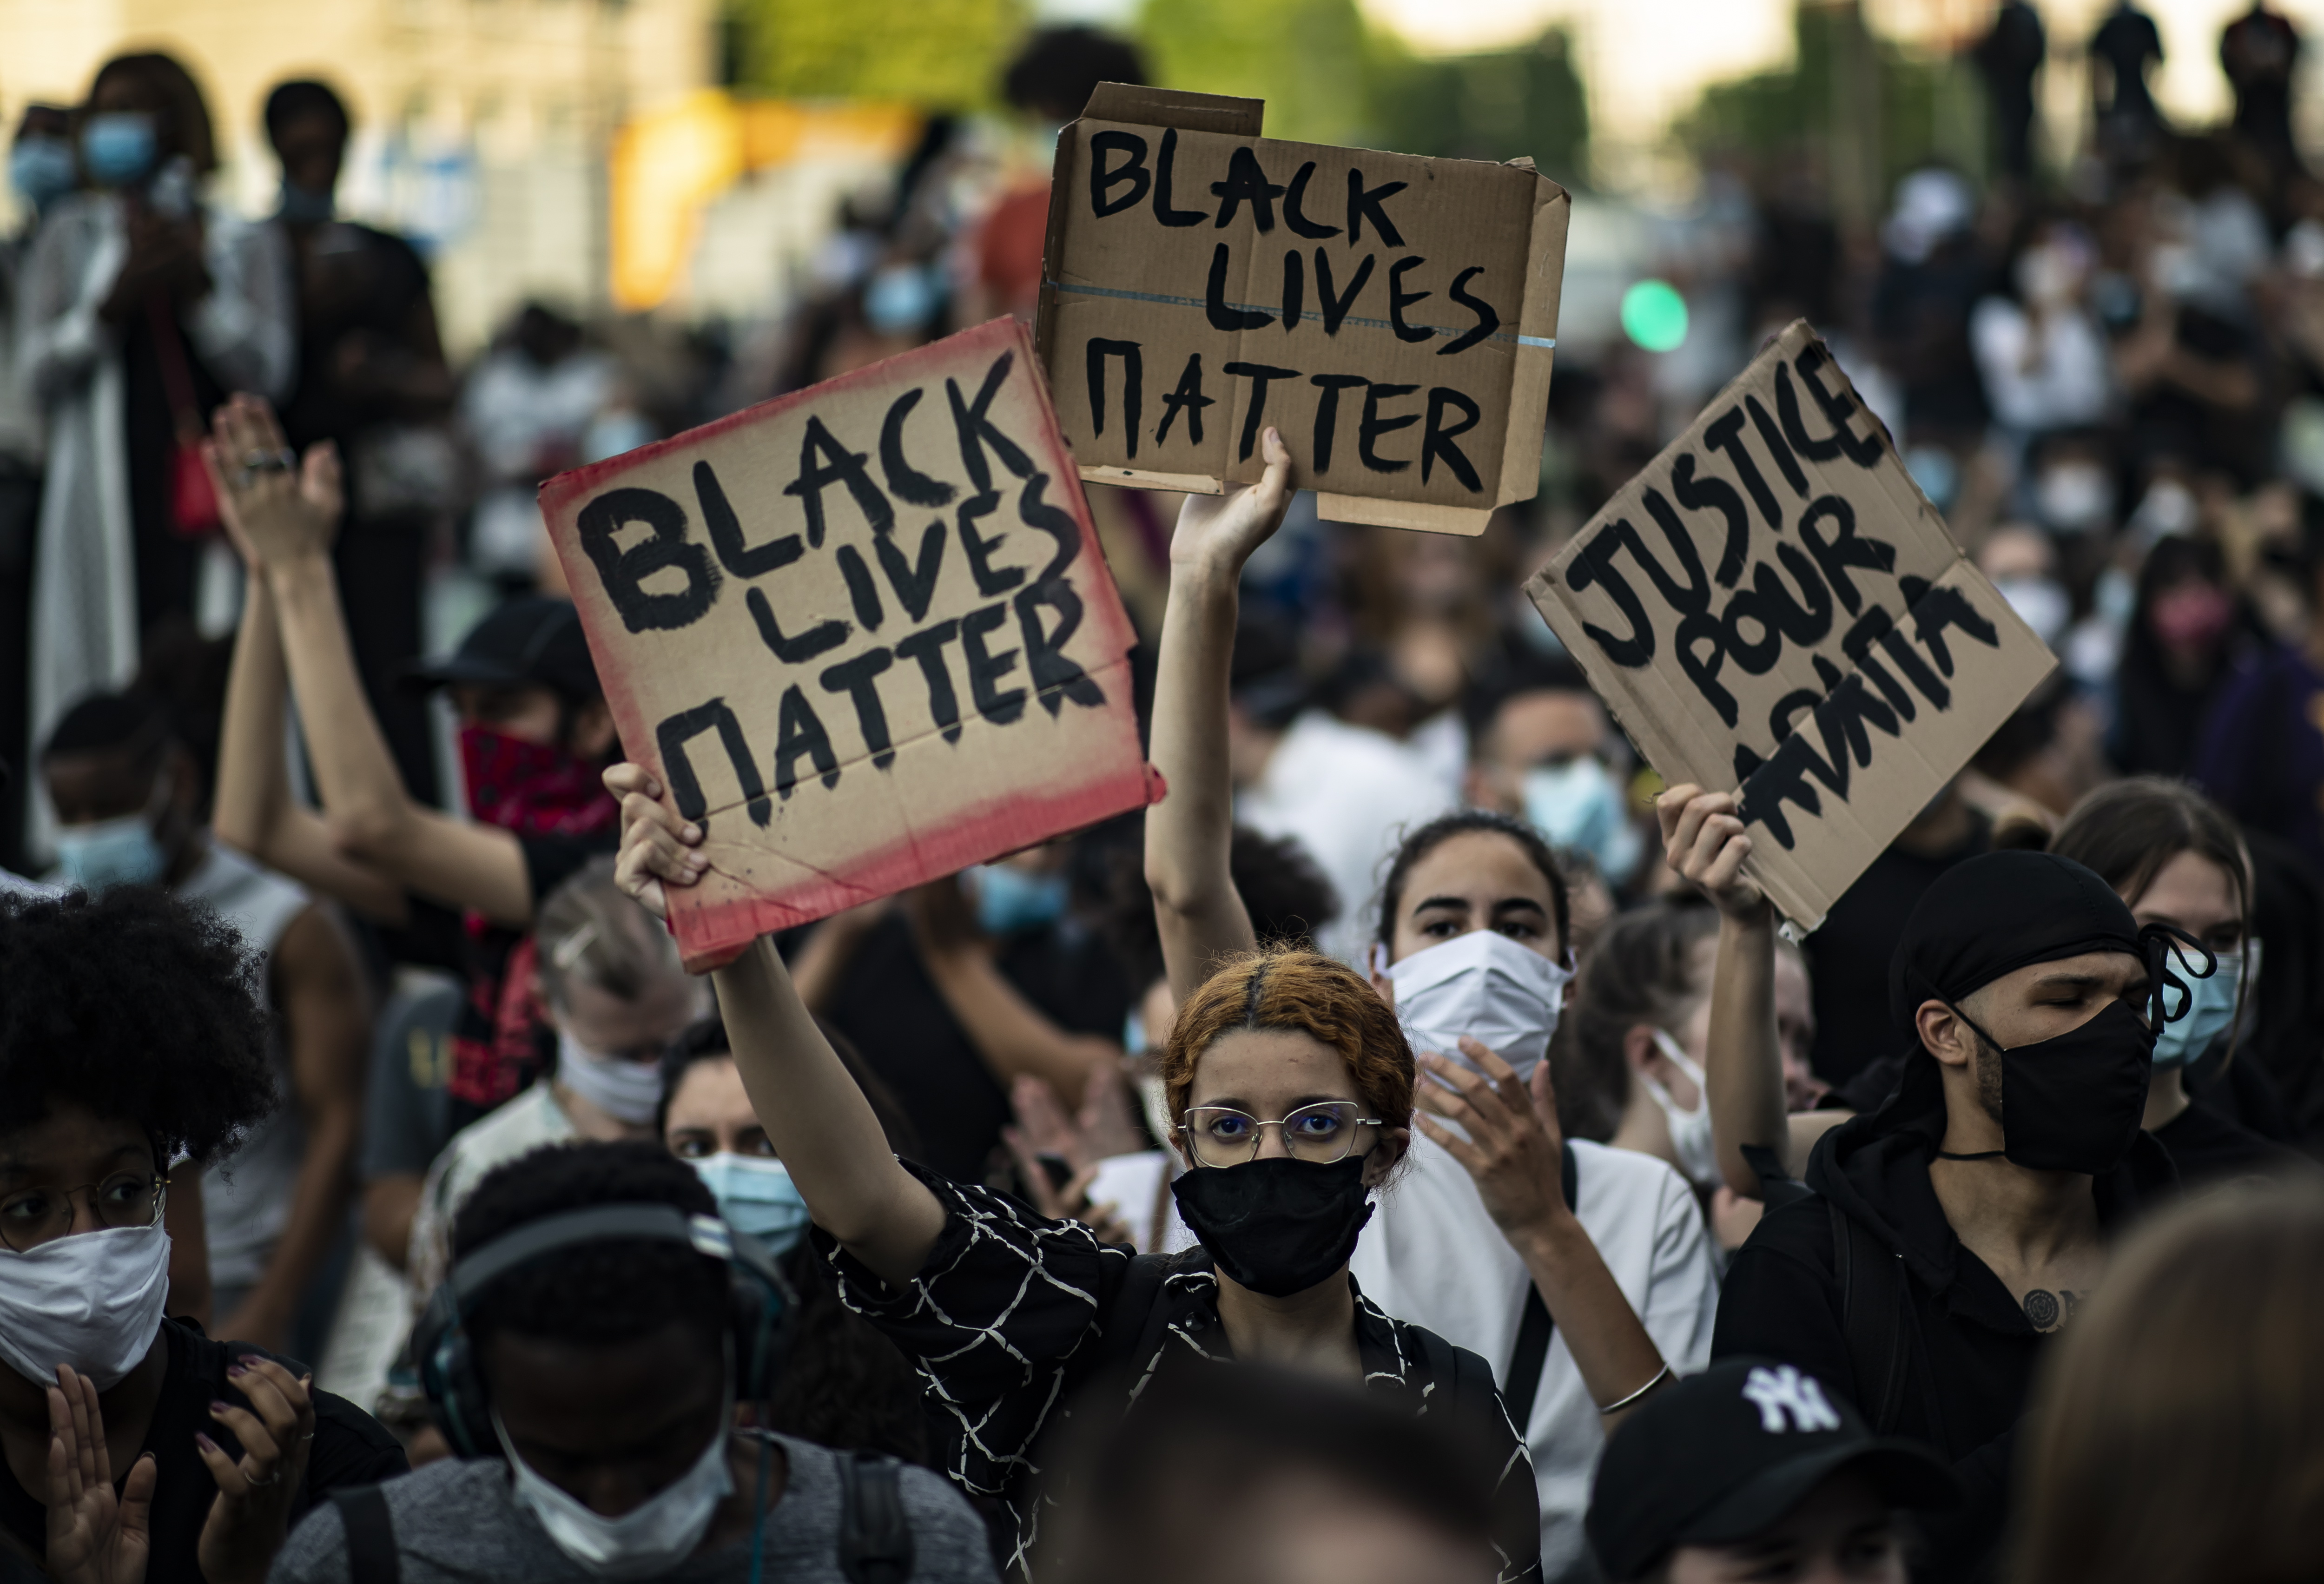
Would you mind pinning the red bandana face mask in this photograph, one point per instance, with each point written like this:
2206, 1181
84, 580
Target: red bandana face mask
532, 788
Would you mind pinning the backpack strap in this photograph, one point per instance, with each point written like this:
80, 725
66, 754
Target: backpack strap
875, 1532
372, 1557
1534, 1330
1874, 1317
1135, 1305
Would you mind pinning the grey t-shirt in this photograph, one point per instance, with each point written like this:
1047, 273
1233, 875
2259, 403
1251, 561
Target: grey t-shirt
455, 1521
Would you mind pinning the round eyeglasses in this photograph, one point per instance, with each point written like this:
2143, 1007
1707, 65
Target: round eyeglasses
31, 1217
1322, 1133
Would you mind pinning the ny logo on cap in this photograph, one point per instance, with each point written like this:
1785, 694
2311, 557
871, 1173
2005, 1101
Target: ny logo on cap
1783, 1391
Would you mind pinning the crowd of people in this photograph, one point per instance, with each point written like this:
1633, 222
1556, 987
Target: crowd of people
1412, 1149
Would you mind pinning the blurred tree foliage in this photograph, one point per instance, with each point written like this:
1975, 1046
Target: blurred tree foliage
1327, 77
1851, 101
938, 54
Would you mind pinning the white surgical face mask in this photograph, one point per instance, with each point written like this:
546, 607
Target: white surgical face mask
628, 1092
1486, 986
92, 1300
651, 1538
1689, 1131
1578, 805
2041, 603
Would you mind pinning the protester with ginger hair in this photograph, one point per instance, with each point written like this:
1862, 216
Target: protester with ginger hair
1288, 1083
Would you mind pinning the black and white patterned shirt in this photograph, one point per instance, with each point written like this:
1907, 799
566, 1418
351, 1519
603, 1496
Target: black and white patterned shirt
1004, 1323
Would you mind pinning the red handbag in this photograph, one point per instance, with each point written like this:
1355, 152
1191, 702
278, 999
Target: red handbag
193, 504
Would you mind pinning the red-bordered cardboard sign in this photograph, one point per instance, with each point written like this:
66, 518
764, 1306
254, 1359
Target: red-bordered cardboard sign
864, 634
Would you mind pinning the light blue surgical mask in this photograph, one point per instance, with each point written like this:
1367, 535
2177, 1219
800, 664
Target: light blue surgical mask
1009, 901
117, 147
105, 852
42, 170
757, 1197
301, 207
900, 298
2209, 1007
1577, 805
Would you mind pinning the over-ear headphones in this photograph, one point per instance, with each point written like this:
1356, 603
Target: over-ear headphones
762, 1304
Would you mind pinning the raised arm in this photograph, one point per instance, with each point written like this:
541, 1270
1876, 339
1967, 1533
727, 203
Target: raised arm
1189, 833
1014, 1037
1743, 1064
823, 1129
373, 818
254, 808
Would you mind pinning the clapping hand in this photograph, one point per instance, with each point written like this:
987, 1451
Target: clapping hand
252, 1515
1514, 1147
97, 1535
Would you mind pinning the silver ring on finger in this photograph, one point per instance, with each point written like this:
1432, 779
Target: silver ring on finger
256, 1483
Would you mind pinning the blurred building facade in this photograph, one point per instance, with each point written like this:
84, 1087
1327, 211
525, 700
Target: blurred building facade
482, 125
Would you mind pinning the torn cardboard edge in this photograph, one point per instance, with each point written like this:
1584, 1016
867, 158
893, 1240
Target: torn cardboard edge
1536, 328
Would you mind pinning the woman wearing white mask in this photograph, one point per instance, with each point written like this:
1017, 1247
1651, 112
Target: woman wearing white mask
131, 1038
2165, 849
1581, 1274
846, 1385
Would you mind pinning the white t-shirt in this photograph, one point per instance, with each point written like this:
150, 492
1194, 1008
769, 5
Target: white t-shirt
519, 1127
1348, 794
1432, 1256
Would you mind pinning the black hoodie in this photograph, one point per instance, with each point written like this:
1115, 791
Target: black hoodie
1972, 1351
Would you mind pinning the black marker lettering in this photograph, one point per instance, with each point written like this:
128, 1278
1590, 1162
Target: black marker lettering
726, 532
1187, 398
1936, 608
1327, 412
1399, 299
824, 462
861, 592
1436, 440
1301, 225
1874, 627
1373, 425
927, 648
1247, 183
1294, 289
1260, 375
1214, 302
1727, 436
1056, 678
1774, 439
1594, 567
1489, 318
1162, 167
624, 572
1055, 520
971, 422
1002, 708
1103, 180
979, 549
1770, 605
1362, 203
819, 639
906, 483
859, 680
1133, 387
800, 736
1696, 494
1335, 308
1839, 407
1845, 549
685, 787
914, 585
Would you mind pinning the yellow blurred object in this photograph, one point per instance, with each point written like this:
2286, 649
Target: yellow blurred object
669, 163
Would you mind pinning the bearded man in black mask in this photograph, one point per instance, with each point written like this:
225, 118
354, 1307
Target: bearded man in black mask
1957, 1227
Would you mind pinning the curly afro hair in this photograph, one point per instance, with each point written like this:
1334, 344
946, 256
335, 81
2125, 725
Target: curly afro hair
134, 1005
614, 1291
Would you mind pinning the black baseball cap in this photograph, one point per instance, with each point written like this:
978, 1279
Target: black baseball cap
531, 639
1721, 1457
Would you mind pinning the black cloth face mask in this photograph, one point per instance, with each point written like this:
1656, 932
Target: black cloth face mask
1277, 1226
2073, 1102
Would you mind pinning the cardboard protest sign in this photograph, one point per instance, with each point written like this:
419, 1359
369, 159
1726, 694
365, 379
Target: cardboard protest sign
863, 634
1393, 315
1774, 605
